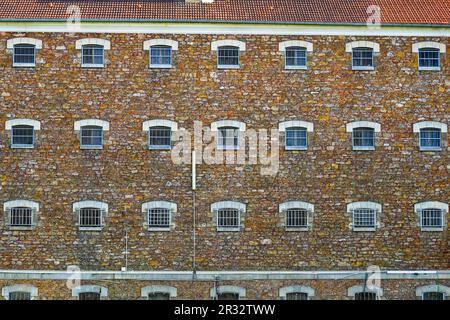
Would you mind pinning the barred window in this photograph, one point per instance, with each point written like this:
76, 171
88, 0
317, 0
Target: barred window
429, 58
159, 296
228, 56
364, 218
228, 218
89, 296
297, 296
21, 217
93, 55
295, 57
91, 137
24, 55
159, 218
296, 138
432, 218
19, 295
160, 137
296, 218
90, 218
430, 138
160, 56
433, 296
365, 296
362, 58
228, 296
228, 138
363, 138
22, 136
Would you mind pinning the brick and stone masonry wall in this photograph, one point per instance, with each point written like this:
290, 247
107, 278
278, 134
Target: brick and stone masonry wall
56, 173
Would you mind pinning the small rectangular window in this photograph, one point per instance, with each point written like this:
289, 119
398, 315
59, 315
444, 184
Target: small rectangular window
90, 218
228, 219
296, 139
19, 295
93, 56
160, 57
160, 137
228, 138
364, 218
429, 59
430, 139
24, 55
91, 137
363, 139
89, 296
159, 296
362, 59
297, 296
21, 217
432, 218
22, 137
159, 218
366, 296
296, 218
295, 58
228, 57
433, 296
228, 296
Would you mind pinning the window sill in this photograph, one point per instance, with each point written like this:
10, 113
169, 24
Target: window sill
430, 149
22, 146
91, 147
295, 68
21, 228
295, 148
24, 65
297, 229
224, 67
91, 229
428, 229
228, 229
160, 66
365, 229
429, 69
94, 66
363, 68
159, 229
363, 148
164, 148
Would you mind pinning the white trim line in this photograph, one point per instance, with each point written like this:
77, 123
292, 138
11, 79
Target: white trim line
32, 290
361, 288
12, 42
431, 205
22, 122
295, 43
223, 43
365, 44
94, 41
364, 205
227, 289
145, 291
228, 123
363, 124
282, 126
160, 42
90, 288
172, 206
296, 288
433, 288
89, 204
429, 124
21, 203
91, 122
295, 205
159, 123
228, 205
428, 44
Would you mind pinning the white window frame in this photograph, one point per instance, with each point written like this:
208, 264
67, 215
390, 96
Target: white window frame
146, 291
233, 205
284, 291
216, 126
102, 206
416, 47
352, 291
419, 126
216, 45
299, 44
286, 125
301, 205
214, 291
364, 124
33, 205
360, 205
437, 205
9, 124
103, 291
363, 44
32, 290
106, 44
173, 126
148, 44
11, 43
78, 125
420, 291
159, 204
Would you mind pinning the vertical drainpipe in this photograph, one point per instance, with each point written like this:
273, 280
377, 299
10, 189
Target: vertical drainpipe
194, 186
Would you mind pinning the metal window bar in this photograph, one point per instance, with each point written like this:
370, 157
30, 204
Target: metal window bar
90, 218
159, 296
160, 56
295, 57
429, 58
21, 217
363, 137
19, 295
22, 136
159, 218
364, 218
433, 296
228, 57
24, 54
365, 296
160, 138
432, 218
228, 138
296, 218
91, 137
430, 138
89, 296
362, 57
297, 296
228, 218
93, 55
296, 138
